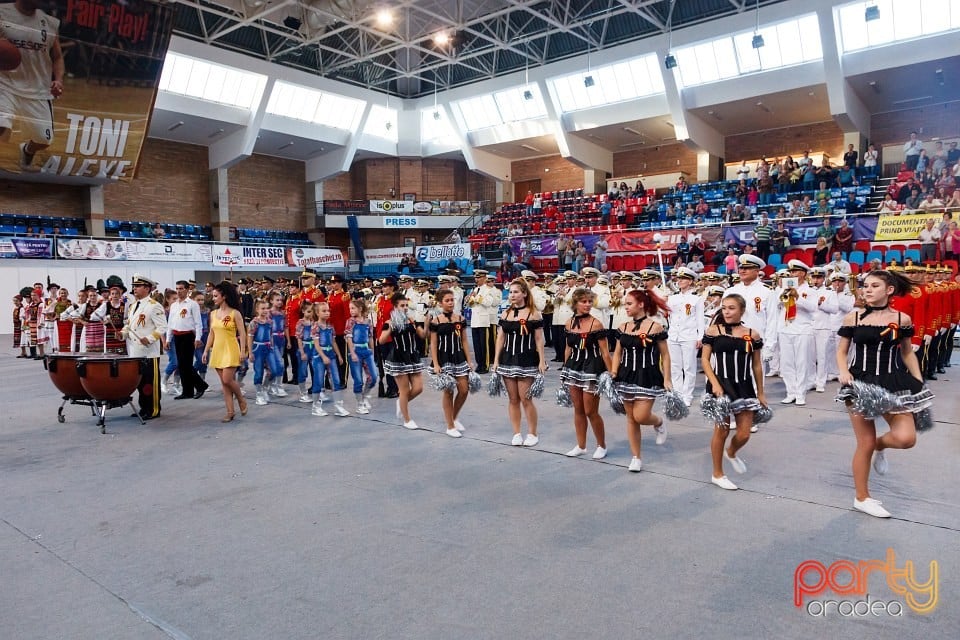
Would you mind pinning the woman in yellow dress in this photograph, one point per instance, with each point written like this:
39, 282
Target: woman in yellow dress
226, 345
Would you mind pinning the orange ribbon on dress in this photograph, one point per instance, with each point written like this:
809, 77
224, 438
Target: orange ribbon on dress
583, 341
456, 329
892, 328
523, 327
644, 340
748, 340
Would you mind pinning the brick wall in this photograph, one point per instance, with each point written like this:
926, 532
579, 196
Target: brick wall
938, 121
32, 198
672, 158
171, 186
562, 173
339, 187
820, 136
268, 193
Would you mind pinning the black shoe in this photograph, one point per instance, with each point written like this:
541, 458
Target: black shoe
931, 377
393, 394
202, 390
184, 396
941, 370
149, 417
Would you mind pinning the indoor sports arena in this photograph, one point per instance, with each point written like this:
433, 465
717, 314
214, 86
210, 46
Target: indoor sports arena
507, 318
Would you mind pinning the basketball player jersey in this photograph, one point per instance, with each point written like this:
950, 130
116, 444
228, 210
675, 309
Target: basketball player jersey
33, 36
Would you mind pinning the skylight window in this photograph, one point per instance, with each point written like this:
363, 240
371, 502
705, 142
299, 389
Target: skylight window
512, 105
785, 44
211, 82
609, 84
382, 123
897, 20
435, 128
311, 105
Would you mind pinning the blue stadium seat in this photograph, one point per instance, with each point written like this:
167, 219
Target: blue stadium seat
891, 255
856, 257
874, 255
912, 254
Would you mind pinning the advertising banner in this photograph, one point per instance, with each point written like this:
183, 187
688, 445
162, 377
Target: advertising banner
168, 251
391, 206
315, 258
26, 248
112, 52
240, 256
389, 255
401, 222
443, 252
88, 249
902, 227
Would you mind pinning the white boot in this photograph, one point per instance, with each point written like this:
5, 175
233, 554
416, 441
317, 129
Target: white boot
164, 385
304, 394
341, 411
176, 388
278, 389
318, 409
362, 408
262, 397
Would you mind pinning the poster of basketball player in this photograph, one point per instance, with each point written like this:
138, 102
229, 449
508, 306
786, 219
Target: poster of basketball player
78, 79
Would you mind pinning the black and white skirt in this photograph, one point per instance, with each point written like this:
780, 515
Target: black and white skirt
630, 392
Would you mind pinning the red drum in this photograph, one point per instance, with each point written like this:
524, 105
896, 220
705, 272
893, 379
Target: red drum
62, 368
110, 378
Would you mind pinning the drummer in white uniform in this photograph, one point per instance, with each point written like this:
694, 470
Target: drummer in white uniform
143, 328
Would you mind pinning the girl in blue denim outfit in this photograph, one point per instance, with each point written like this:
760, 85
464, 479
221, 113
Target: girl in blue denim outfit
307, 351
327, 358
260, 348
281, 341
359, 335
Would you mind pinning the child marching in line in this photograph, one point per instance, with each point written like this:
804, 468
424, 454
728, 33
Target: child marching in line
260, 350
281, 341
307, 350
198, 364
327, 358
360, 345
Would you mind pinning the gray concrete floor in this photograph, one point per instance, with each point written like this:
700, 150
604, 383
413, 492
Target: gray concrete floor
282, 525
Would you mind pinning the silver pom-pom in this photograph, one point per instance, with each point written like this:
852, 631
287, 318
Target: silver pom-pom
443, 382
495, 386
674, 408
563, 397
536, 387
398, 320
923, 420
607, 389
868, 400
762, 415
716, 410
474, 382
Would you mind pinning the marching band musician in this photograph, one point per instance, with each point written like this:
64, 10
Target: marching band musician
143, 328
827, 307
549, 287
562, 311
484, 303
601, 292
685, 333
761, 311
538, 294
846, 301
796, 335
952, 315
712, 296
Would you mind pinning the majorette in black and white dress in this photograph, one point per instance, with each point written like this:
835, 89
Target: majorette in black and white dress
450, 355
733, 365
583, 367
876, 360
639, 376
519, 357
404, 357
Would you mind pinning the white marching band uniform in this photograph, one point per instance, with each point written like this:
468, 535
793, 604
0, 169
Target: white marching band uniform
685, 331
827, 308
797, 345
845, 304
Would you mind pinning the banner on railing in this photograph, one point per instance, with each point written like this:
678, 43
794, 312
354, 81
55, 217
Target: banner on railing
315, 258
240, 256
90, 249
168, 251
26, 248
903, 227
443, 252
391, 206
389, 255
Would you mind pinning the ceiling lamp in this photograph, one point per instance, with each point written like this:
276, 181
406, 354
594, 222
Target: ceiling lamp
384, 18
757, 38
669, 61
588, 82
528, 95
871, 13
441, 38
